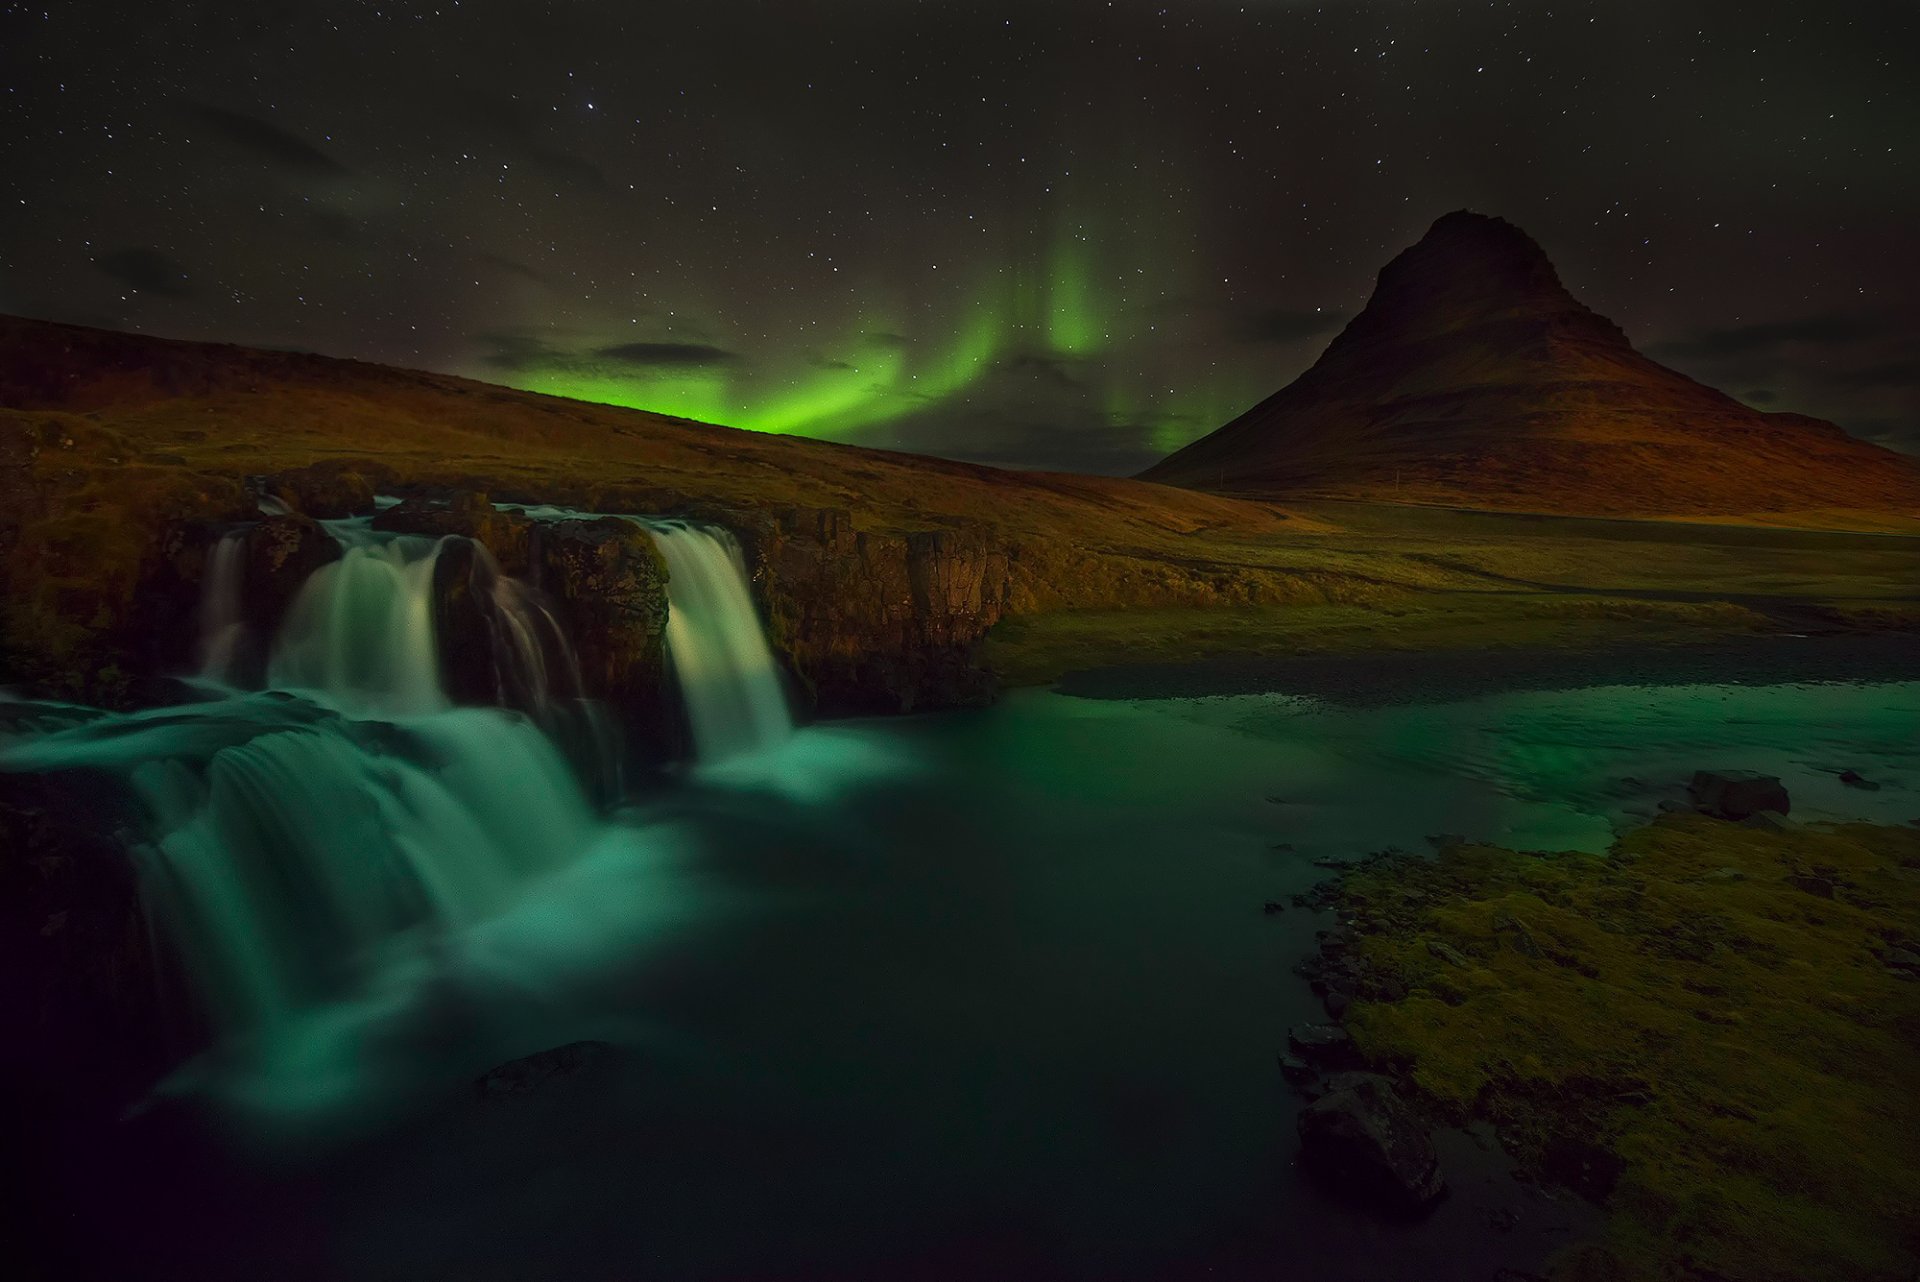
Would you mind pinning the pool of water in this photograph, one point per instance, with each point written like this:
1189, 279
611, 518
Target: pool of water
979, 994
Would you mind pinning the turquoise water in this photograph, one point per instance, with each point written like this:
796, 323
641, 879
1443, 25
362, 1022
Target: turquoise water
985, 993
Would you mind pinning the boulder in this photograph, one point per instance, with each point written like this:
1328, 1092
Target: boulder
1323, 1045
281, 554
1367, 1143
1769, 821
1735, 794
508, 536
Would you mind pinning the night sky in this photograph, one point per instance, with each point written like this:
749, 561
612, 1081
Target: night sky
1074, 234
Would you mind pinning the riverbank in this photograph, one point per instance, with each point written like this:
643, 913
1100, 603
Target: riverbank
1710, 1031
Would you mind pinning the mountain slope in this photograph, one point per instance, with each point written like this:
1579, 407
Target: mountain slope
1474, 378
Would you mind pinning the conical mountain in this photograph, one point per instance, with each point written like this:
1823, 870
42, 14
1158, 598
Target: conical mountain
1473, 378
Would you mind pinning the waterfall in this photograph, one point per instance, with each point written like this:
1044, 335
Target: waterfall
223, 629
361, 630
716, 646
291, 848
321, 839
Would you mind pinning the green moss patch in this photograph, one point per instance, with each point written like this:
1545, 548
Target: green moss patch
1713, 1029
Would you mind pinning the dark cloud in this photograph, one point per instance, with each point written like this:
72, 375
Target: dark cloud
147, 270
1289, 325
830, 362
1901, 372
1746, 340
281, 146
513, 352
667, 354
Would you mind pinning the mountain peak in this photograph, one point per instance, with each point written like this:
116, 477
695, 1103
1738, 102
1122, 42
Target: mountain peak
1469, 270
1473, 378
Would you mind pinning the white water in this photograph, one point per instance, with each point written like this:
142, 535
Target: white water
222, 625
348, 829
716, 647
361, 630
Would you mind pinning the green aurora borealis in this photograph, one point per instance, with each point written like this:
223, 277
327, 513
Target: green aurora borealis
1080, 324
1073, 234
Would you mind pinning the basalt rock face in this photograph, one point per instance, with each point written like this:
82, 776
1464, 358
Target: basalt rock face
880, 623
1473, 377
609, 584
282, 552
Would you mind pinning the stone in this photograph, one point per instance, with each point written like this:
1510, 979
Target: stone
1337, 1004
1447, 953
1509, 927
281, 554
1769, 821
1324, 1045
1736, 794
1368, 1144
507, 536
1296, 1070
1822, 887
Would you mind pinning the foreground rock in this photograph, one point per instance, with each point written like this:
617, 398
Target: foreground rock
1368, 1143
1737, 794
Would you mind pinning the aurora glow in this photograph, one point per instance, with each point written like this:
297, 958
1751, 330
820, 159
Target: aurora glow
1073, 233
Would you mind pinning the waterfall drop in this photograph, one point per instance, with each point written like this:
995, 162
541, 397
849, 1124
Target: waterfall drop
361, 630
716, 646
223, 629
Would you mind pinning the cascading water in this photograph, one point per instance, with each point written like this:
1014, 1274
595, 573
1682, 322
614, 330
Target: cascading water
361, 629
716, 645
317, 841
223, 628
302, 840
291, 846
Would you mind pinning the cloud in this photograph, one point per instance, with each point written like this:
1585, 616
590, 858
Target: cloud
516, 352
147, 270
1289, 325
667, 354
263, 138
1902, 372
1047, 367
1746, 340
